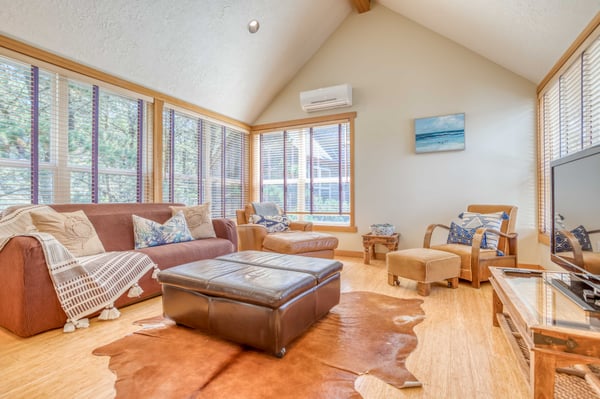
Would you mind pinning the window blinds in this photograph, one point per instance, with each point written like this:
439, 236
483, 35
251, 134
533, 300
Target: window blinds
569, 119
64, 140
203, 161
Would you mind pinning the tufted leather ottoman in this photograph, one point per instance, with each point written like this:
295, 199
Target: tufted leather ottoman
258, 299
423, 265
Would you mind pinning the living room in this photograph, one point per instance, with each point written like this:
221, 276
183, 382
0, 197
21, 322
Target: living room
399, 70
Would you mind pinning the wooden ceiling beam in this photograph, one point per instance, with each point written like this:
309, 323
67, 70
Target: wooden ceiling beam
362, 5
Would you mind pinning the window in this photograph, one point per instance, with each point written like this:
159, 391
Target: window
569, 116
204, 161
67, 140
307, 169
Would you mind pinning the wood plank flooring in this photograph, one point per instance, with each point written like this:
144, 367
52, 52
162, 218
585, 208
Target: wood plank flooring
459, 355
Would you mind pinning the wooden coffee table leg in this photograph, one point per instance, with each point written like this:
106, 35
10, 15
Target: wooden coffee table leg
423, 288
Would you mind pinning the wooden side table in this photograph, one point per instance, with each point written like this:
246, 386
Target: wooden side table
369, 241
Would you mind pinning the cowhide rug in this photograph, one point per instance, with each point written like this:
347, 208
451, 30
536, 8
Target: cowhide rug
365, 333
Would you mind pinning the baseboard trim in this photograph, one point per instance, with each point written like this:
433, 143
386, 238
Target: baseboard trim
351, 254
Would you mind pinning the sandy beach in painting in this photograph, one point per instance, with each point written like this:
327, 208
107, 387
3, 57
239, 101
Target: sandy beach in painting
441, 133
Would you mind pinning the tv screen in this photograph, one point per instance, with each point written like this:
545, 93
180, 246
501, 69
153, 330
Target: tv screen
576, 211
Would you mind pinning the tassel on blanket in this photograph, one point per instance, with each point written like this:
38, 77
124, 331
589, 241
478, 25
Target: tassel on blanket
155, 272
70, 326
109, 313
135, 291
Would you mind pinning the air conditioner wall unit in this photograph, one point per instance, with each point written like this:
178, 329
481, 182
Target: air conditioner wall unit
326, 98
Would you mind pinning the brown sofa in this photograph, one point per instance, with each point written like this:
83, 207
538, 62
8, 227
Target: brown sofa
27, 298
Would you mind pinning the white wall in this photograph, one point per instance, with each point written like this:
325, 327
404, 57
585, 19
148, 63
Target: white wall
400, 71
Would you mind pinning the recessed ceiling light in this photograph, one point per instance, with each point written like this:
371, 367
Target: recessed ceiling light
253, 26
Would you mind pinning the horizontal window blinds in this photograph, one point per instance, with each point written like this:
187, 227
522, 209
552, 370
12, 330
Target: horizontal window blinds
204, 161
306, 171
569, 113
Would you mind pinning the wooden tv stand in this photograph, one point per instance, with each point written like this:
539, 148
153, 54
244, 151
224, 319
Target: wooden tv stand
555, 330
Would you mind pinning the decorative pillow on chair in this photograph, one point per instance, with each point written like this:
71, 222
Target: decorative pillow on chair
198, 220
148, 233
72, 229
561, 243
461, 235
494, 220
273, 224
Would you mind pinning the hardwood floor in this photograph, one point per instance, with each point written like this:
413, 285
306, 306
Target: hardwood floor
459, 355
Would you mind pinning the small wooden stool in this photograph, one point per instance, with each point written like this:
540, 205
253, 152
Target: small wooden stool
423, 265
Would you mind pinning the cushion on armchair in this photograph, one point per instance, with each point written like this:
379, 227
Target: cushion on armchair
275, 223
472, 220
462, 235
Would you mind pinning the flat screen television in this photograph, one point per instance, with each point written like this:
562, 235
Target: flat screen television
575, 240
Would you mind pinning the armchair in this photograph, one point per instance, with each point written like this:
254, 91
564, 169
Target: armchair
299, 239
475, 261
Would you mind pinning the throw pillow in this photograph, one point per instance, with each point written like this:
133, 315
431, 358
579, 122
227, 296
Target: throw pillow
473, 220
72, 229
148, 233
561, 243
276, 223
461, 235
198, 220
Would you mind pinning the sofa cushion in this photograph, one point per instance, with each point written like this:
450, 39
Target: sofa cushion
562, 244
198, 220
148, 233
72, 229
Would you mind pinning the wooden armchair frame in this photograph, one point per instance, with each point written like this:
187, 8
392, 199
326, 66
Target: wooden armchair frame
477, 270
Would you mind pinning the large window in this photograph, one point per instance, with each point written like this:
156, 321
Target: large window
204, 161
306, 169
66, 140
569, 116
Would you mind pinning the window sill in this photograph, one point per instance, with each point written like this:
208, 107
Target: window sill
344, 229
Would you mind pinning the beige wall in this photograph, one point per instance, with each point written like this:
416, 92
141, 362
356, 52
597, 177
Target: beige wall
400, 71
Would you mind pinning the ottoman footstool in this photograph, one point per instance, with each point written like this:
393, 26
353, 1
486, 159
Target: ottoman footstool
251, 304
424, 265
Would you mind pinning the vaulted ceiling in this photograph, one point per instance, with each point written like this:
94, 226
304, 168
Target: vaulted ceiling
201, 51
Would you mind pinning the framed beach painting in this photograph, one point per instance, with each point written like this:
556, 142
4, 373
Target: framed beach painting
440, 133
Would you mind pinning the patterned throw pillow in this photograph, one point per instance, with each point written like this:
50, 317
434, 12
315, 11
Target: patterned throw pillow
561, 243
273, 224
461, 235
148, 233
198, 220
72, 229
494, 220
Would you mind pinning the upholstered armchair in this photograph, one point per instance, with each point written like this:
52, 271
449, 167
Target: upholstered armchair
475, 260
297, 238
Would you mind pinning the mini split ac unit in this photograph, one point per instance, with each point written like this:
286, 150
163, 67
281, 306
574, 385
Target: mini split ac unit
326, 98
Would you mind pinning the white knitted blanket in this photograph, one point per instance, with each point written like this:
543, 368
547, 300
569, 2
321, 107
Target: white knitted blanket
86, 284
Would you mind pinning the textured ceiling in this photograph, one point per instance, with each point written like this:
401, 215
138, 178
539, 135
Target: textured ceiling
200, 50
526, 37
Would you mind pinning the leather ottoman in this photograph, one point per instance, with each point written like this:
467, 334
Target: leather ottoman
262, 306
423, 265
304, 243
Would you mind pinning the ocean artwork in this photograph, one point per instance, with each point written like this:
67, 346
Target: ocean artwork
440, 133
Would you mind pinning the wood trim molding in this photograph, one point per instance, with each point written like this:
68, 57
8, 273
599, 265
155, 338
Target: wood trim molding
302, 122
350, 254
76, 67
587, 31
362, 5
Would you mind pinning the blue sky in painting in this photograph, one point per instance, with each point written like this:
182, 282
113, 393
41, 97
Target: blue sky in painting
440, 123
